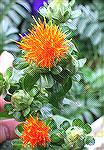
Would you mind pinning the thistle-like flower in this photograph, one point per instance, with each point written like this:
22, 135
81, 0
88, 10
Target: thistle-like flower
35, 133
45, 45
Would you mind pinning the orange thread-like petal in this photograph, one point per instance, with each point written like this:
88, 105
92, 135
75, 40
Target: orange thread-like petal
35, 133
44, 44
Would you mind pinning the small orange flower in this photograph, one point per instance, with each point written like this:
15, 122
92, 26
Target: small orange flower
44, 44
35, 133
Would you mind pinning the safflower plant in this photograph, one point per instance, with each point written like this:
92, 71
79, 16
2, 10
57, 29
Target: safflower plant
39, 81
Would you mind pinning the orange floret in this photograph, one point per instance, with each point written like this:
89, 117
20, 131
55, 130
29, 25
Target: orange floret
35, 133
44, 44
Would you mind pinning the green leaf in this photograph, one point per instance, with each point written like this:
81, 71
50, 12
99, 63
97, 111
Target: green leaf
81, 62
51, 123
78, 122
34, 91
8, 107
67, 14
79, 144
4, 85
46, 81
62, 77
17, 74
20, 64
90, 140
72, 47
4, 115
59, 119
26, 112
36, 105
66, 87
29, 80
58, 91
1, 77
9, 73
17, 144
17, 115
56, 70
56, 136
72, 2
76, 77
75, 13
65, 125
72, 67
21, 82
87, 128
19, 129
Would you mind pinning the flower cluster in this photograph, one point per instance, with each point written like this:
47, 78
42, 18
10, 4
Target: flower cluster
35, 133
44, 44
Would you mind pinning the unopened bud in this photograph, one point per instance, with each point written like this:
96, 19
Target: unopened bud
21, 100
73, 133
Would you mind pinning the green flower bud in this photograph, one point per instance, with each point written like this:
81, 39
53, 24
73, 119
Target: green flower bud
73, 134
21, 100
57, 9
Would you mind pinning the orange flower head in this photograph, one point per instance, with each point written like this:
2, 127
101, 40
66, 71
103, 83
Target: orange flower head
35, 133
44, 44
